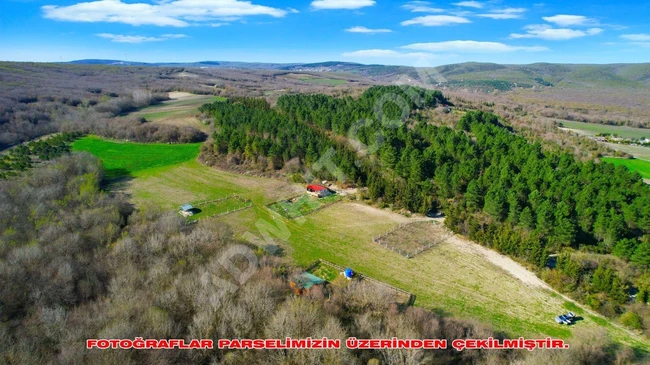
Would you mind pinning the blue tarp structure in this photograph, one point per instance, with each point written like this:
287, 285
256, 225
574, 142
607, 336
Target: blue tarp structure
348, 273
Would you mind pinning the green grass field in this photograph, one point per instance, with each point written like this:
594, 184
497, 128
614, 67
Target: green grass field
640, 166
194, 102
181, 111
331, 82
594, 129
125, 158
446, 278
216, 208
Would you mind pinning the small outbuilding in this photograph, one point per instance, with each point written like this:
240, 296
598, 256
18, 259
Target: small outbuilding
319, 190
302, 283
187, 210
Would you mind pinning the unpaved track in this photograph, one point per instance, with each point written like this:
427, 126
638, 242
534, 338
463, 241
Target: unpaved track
511, 266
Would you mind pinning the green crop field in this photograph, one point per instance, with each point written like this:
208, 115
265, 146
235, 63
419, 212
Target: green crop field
640, 166
125, 158
594, 129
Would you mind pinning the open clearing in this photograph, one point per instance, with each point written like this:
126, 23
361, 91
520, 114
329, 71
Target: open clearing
125, 158
315, 80
592, 129
640, 166
218, 207
180, 110
455, 277
639, 152
413, 238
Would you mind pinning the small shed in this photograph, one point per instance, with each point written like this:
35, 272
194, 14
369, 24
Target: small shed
302, 283
319, 190
186, 210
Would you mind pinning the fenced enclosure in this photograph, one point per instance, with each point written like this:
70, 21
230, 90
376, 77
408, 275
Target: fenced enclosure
219, 207
411, 239
302, 205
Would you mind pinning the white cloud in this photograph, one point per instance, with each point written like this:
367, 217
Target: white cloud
360, 29
341, 4
547, 32
293, 10
421, 7
175, 13
639, 37
436, 20
507, 13
470, 47
120, 38
385, 53
470, 4
564, 20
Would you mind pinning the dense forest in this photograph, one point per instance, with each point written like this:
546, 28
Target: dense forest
93, 267
492, 185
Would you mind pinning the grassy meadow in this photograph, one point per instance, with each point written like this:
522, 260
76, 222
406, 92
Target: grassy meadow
593, 129
126, 158
320, 81
640, 166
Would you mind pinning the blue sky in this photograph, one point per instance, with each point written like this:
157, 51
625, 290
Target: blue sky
367, 31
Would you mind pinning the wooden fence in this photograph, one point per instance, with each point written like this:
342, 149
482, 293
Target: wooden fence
286, 215
248, 203
408, 255
368, 278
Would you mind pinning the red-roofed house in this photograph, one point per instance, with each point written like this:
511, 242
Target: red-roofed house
318, 190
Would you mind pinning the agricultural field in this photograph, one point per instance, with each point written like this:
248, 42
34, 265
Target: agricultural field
640, 166
639, 152
455, 277
320, 81
591, 129
302, 205
126, 158
180, 110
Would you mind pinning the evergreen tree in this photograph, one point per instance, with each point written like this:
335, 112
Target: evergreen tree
625, 248
526, 218
564, 230
641, 255
495, 202
474, 196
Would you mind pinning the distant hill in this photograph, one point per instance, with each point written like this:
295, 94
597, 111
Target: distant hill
470, 74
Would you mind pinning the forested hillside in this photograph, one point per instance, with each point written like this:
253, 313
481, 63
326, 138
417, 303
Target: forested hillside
492, 185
